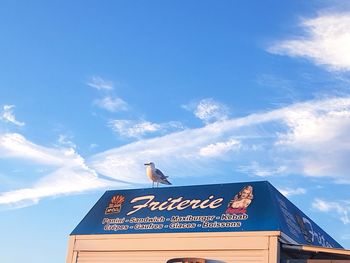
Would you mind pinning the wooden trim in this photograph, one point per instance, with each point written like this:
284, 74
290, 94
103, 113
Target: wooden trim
273, 249
174, 235
75, 257
182, 241
70, 252
337, 251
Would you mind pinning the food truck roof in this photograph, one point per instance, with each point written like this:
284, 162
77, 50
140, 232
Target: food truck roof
233, 207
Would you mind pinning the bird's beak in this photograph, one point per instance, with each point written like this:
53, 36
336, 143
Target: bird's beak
146, 163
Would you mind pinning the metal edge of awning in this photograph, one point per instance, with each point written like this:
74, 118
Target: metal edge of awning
316, 249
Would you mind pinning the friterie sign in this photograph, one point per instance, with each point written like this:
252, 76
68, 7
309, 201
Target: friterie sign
254, 206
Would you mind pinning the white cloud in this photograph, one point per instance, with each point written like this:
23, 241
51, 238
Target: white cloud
209, 110
318, 132
312, 127
341, 208
93, 145
66, 140
345, 237
322, 205
137, 129
292, 191
308, 138
112, 104
129, 128
14, 145
173, 151
8, 116
62, 181
286, 145
219, 148
70, 175
257, 169
326, 42
100, 83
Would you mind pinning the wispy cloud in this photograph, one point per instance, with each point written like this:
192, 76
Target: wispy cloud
308, 138
326, 41
7, 115
109, 101
100, 83
289, 146
345, 237
112, 104
219, 148
93, 145
276, 84
319, 132
66, 140
14, 145
70, 172
254, 168
208, 110
67, 180
342, 209
292, 191
138, 129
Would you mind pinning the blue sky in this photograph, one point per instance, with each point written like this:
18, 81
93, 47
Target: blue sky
212, 92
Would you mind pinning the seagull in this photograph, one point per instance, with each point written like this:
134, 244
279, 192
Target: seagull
155, 175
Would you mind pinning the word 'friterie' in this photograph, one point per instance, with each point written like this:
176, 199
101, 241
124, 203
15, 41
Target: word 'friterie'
171, 203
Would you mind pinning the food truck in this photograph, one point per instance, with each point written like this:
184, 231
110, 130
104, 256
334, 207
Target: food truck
219, 223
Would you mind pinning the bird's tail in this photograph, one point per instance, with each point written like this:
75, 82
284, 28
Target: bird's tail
165, 181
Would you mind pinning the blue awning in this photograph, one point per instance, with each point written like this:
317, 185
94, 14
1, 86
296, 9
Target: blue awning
235, 207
